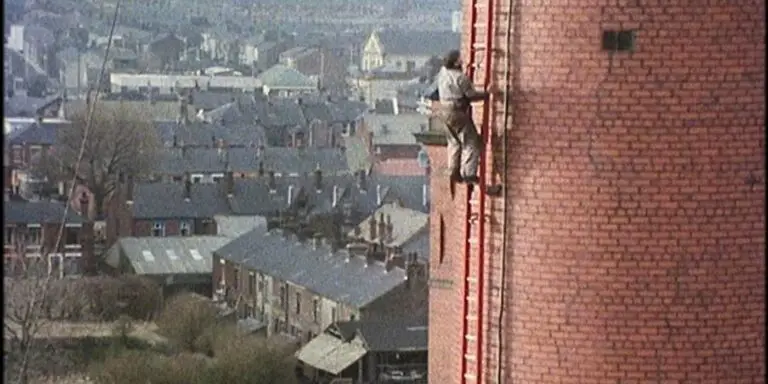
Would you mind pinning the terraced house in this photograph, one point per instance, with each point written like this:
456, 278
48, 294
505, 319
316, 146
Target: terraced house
298, 289
187, 208
31, 231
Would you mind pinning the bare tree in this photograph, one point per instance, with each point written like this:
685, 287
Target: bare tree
120, 141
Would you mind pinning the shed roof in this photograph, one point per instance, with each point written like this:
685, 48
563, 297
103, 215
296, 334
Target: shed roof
167, 255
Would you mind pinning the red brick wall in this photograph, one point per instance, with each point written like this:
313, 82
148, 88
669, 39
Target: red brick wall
635, 233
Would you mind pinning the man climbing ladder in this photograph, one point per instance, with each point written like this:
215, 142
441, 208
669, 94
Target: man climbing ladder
454, 94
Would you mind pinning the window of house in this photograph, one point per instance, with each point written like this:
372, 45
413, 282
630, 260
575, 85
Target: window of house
217, 179
333, 315
236, 278
158, 229
123, 89
17, 154
55, 265
197, 179
34, 236
8, 236
316, 310
261, 282
251, 283
185, 228
248, 310
72, 266
618, 41
34, 151
298, 303
71, 236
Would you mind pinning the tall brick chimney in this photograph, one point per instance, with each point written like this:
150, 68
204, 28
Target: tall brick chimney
613, 159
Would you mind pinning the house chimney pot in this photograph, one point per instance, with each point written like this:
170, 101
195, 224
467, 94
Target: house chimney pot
335, 196
271, 181
290, 195
378, 195
382, 231
229, 179
425, 195
318, 180
361, 181
187, 187
83, 204
373, 227
129, 190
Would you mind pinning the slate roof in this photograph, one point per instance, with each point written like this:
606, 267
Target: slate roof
36, 133
167, 255
38, 35
37, 212
286, 161
207, 100
236, 226
166, 200
282, 77
23, 105
406, 334
254, 197
334, 276
395, 129
406, 224
402, 42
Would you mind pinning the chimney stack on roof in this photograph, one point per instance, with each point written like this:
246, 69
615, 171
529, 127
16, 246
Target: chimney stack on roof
382, 232
378, 195
318, 179
290, 195
425, 195
271, 182
83, 204
361, 182
187, 187
316, 242
229, 181
335, 196
129, 189
373, 227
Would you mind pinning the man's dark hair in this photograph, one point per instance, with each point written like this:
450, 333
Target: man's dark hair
451, 60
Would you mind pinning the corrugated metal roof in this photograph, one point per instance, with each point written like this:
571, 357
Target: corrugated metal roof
331, 354
168, 255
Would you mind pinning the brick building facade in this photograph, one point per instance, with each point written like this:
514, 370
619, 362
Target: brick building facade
629, 245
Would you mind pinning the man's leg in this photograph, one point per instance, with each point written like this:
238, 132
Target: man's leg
470, 156
454, 156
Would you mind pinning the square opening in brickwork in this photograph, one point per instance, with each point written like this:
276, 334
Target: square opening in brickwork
619, 41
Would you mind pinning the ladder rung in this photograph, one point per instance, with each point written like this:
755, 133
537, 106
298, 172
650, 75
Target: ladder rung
473, 241
470, 337
478, 45
472, 280
471, 317
469, 376
471, 299
470, 357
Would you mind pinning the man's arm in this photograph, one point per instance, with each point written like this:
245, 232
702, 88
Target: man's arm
466, 87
